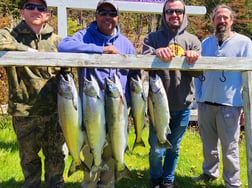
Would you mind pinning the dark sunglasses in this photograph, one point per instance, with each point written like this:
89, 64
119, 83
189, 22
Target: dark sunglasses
177, 11
103, 12
40, 8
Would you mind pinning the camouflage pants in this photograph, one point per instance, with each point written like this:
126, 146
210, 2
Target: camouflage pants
105, 179
34, 134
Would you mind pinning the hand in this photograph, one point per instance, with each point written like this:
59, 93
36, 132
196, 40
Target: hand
191, 56
110, 50
165, 54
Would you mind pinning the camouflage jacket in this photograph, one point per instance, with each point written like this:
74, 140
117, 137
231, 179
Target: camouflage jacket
32, 90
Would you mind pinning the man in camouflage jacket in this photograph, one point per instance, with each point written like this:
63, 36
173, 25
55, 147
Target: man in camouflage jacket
33, 97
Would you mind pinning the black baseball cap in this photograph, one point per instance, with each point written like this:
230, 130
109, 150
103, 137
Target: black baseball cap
25, 1
111, 2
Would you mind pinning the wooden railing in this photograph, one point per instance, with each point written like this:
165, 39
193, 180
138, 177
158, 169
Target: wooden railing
147, 63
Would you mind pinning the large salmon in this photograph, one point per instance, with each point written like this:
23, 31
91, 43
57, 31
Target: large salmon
159, 111
94, 121
138, 106
70, 118
117, 123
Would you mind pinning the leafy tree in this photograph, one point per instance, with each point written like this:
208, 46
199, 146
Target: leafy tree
72, 27
10, 7
243, 22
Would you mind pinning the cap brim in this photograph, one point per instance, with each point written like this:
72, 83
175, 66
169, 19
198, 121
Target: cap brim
113, 5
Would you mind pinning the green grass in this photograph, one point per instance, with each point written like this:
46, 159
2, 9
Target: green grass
189, 163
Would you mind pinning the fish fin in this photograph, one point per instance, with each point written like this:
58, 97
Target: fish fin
93, 176
136, 144
82, 126
127, 149
145, 124
107, 130
84, 167
101, 168
76, 167
125, 173
106, 143
88, 158
168, 130
96, 169
81, 154
105, 166
75, 105
85, 137
72, 169
166, 145
82, 157
144, 97
75, 97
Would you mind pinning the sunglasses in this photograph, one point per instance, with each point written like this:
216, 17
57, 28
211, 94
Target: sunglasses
177, 11
103, 12
40, 8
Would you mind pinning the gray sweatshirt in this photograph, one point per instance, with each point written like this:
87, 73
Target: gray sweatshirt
178, 84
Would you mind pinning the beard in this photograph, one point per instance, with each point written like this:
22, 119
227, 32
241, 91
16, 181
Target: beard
221, 32
174, 24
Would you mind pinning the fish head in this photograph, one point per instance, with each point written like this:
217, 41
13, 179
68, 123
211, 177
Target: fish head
111, 88
136, 84
118, 84
90, 87
67, 89
65, 86
155, 84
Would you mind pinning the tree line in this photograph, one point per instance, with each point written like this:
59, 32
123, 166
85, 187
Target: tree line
137, 24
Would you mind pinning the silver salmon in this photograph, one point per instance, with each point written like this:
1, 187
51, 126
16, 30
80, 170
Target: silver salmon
159, 111
138, 106
94, 122
117, 123
70, 119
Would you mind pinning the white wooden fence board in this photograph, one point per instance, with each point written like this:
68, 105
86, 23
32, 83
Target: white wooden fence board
247, 98
121, 61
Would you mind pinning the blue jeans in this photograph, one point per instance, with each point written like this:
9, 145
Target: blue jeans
178, 125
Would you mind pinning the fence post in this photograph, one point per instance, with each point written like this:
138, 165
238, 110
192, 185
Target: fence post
247, 98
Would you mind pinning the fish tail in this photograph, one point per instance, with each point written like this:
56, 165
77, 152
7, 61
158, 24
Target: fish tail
105, 167
76, 167
84, 167
166, 145
137, 143
72, 169
120, 174
101, 168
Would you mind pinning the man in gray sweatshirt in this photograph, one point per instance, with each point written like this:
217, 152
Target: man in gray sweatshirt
170, 41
